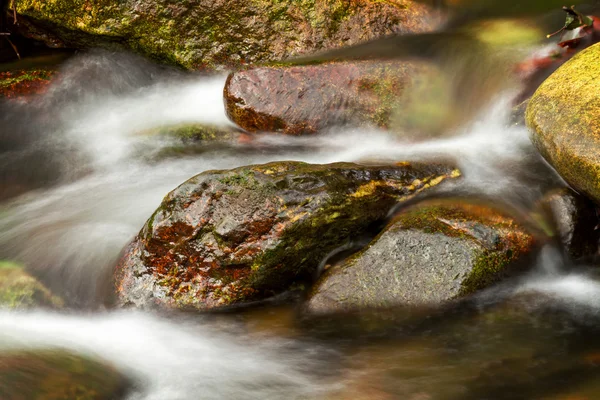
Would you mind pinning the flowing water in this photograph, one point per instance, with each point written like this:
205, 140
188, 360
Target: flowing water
90, 175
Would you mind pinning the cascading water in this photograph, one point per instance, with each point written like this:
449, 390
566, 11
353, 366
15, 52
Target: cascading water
71, 234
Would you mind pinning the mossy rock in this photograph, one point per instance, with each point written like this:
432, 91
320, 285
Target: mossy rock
430, 254
564, 119
57, 375
206, 34
231, 237
18, 289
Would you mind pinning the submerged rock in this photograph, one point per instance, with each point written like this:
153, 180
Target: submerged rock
427, 255
201, 33
231, 237
182, 140
564, 118
57, 374
18, 289
300, 100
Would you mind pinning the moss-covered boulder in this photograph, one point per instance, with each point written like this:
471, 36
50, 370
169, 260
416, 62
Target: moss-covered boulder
202, 33
231, 237
18, 289
191, 133
57, 375
17, 84
307, 99
427, 255
564, 119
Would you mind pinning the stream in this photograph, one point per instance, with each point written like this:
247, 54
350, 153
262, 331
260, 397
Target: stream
534, 337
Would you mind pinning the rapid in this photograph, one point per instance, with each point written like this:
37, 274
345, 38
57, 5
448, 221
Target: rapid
94, 175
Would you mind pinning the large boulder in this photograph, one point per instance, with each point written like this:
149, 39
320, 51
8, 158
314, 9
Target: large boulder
301, 100
231, 237
57, 374
564, 118
428, 255
19, 289
207, 33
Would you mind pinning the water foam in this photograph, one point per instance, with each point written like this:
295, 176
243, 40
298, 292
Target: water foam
173, 360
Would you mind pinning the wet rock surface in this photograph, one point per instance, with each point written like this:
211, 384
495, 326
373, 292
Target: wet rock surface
57, 374
20, 290
564, 120
232, 237
427, 255
301, 100
205, 34
577, 222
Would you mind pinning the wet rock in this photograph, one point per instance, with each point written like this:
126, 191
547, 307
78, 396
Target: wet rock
18, 289
427, 255
231, 237
564, 119
57, 374
307, 99
18, 84
205, 34
576, 219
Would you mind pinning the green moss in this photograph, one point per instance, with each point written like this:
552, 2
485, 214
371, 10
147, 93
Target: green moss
25, 76
9, 265
244, 179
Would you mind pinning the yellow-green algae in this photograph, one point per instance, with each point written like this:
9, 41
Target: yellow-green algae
564, 118
25, 76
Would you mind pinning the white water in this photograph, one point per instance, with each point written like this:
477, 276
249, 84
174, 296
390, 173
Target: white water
174, 360
73, 233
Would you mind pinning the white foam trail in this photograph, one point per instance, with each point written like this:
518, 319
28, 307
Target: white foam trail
575, 289
173, 361
75, 232
488, 151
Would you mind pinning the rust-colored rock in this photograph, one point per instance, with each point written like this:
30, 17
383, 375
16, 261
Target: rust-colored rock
232, 237
307, 99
